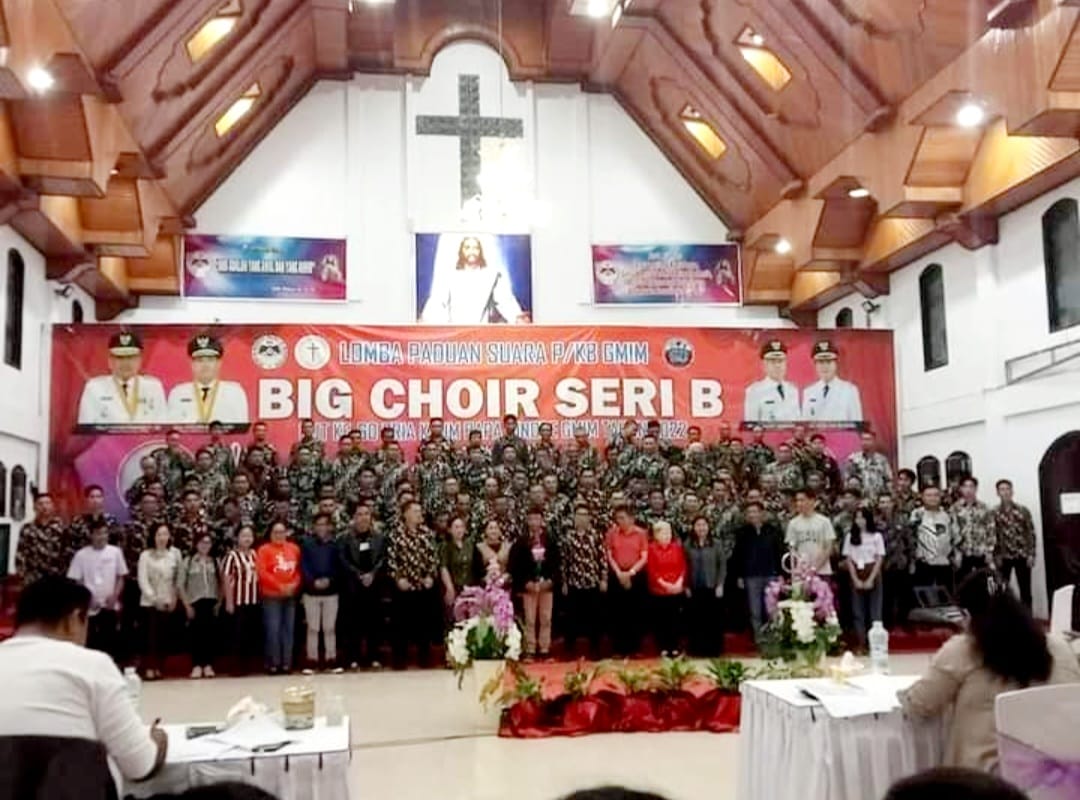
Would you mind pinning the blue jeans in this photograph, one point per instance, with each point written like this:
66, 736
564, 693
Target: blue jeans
279, 622
755, 597
866, 608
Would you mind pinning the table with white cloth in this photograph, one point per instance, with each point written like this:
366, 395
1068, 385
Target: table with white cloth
314, 766
791, 749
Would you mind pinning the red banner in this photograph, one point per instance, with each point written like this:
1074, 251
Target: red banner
116, 390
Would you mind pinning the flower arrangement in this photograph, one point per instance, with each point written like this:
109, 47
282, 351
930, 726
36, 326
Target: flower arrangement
484, 627
802, 617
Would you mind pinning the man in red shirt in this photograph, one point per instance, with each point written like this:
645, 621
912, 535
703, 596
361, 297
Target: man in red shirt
627, 552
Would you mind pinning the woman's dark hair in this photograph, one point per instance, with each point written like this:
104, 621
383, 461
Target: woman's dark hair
1012, 646
219, 791
953, 783
50, 600
868, 518
612, 793
694, 523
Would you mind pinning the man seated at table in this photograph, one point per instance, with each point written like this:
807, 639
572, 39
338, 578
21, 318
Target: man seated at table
53, 686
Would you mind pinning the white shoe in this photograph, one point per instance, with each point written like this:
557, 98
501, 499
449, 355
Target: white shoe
308, 671
208, 672
196, 672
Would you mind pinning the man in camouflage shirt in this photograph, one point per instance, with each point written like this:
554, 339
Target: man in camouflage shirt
543, 462
308, 440
871, 467
786, 472
150, 474
510, 440
477, 471
260, 442
904, 496
720, 450
824, 463
191, 525
430, 474
444, 448
1014, 532
692, 507
724, 515
588, 456
508, 462
898, 566
557, 506
695, 472
974, 529
213, 485
657, 511
413, 567
305, 479
249, 503
42, 544
223, 459
589, 494
94, 515
584, 563
801, 451
650, 465
173, 464
758, 454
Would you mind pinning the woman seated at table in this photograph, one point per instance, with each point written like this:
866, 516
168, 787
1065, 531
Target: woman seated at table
1002, 650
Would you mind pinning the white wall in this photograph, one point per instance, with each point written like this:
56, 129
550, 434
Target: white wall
345, 163
996, 309
24, 401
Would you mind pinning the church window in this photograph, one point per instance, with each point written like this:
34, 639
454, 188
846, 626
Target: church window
238, 110
704, 133
762, 60
958, 466
18, 493
935, 339
13, 324
928, 471
845, 318
1061, 252
213, 31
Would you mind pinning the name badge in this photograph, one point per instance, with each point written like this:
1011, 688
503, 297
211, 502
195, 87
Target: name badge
364, 547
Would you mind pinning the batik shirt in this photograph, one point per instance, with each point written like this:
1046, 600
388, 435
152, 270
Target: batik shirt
758, 457
583, 557
317, 448
873, 472
515, 442
41, 551
699, 475
974, 529
598, 507
444, 447
899, 541
345, 475
789, 476
907, 502
251, 506
652, 468
304, 484
1014, 532
270, 458
135, 537
173, 468
473, 477
431, 476
724, 520
135, 492
213, 487
414, 555
186, 531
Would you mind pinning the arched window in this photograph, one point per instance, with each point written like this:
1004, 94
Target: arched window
845, 318
18, 493
3, 490
935, 340
957, 466
76, 312
1061, 252
929, 471
13, 325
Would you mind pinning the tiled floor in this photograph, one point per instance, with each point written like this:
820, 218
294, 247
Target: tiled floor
412, 740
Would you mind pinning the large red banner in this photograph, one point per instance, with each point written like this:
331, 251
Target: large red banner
115, 391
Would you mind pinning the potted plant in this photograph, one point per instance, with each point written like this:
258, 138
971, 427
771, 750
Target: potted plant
674, 706
721, 707
584, 711
802, 619
484, 638
637, 708
524, 717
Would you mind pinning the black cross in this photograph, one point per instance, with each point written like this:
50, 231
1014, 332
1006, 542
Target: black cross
470, 128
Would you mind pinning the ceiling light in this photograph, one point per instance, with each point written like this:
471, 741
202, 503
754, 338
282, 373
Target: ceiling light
858, 193
114, 171
970, 115
782, 246
597, 8
40, 80
757, 40
237, 111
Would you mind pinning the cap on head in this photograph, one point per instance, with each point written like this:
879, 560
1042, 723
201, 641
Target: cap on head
825, 351
774, 348
205, 346
125, 344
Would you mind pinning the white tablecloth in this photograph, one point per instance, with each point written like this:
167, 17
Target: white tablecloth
314, 767
790, 749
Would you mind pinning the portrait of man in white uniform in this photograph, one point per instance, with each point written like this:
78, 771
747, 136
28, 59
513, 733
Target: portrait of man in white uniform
207, 398
124, 396
830, 399
470, 284
773, 398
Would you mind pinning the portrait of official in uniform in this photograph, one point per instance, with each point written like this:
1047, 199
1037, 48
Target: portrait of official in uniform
830, 399
473, 279
773, 398
207, 397
124, 396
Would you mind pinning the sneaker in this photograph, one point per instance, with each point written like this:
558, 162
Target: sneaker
308, 671
354, 666
196, 672
208, 672
376, 665
336, 670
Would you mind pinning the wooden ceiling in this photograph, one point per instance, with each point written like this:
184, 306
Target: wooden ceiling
811, 99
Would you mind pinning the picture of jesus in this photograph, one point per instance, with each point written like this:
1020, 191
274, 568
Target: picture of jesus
473, 279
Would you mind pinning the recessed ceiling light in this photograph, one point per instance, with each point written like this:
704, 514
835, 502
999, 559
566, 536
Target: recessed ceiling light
598, 8
858, 193
40, 80
783, 247
970, 115
757, 40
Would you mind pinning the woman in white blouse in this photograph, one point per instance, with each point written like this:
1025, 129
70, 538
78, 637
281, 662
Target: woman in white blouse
159, 567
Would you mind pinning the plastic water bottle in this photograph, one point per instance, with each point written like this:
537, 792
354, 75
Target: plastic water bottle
134, 687
879, 648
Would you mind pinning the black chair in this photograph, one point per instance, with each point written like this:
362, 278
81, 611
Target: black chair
54, 768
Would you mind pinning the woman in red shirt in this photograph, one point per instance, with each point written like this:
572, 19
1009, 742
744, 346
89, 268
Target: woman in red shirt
278, 565
666, 569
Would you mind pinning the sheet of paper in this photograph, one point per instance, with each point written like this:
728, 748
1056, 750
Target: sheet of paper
868, 694
251, 733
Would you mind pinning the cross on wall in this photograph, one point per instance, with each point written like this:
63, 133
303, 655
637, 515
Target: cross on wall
470, 128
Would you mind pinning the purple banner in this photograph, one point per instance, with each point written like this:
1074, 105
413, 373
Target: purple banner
264, 268
683, 274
